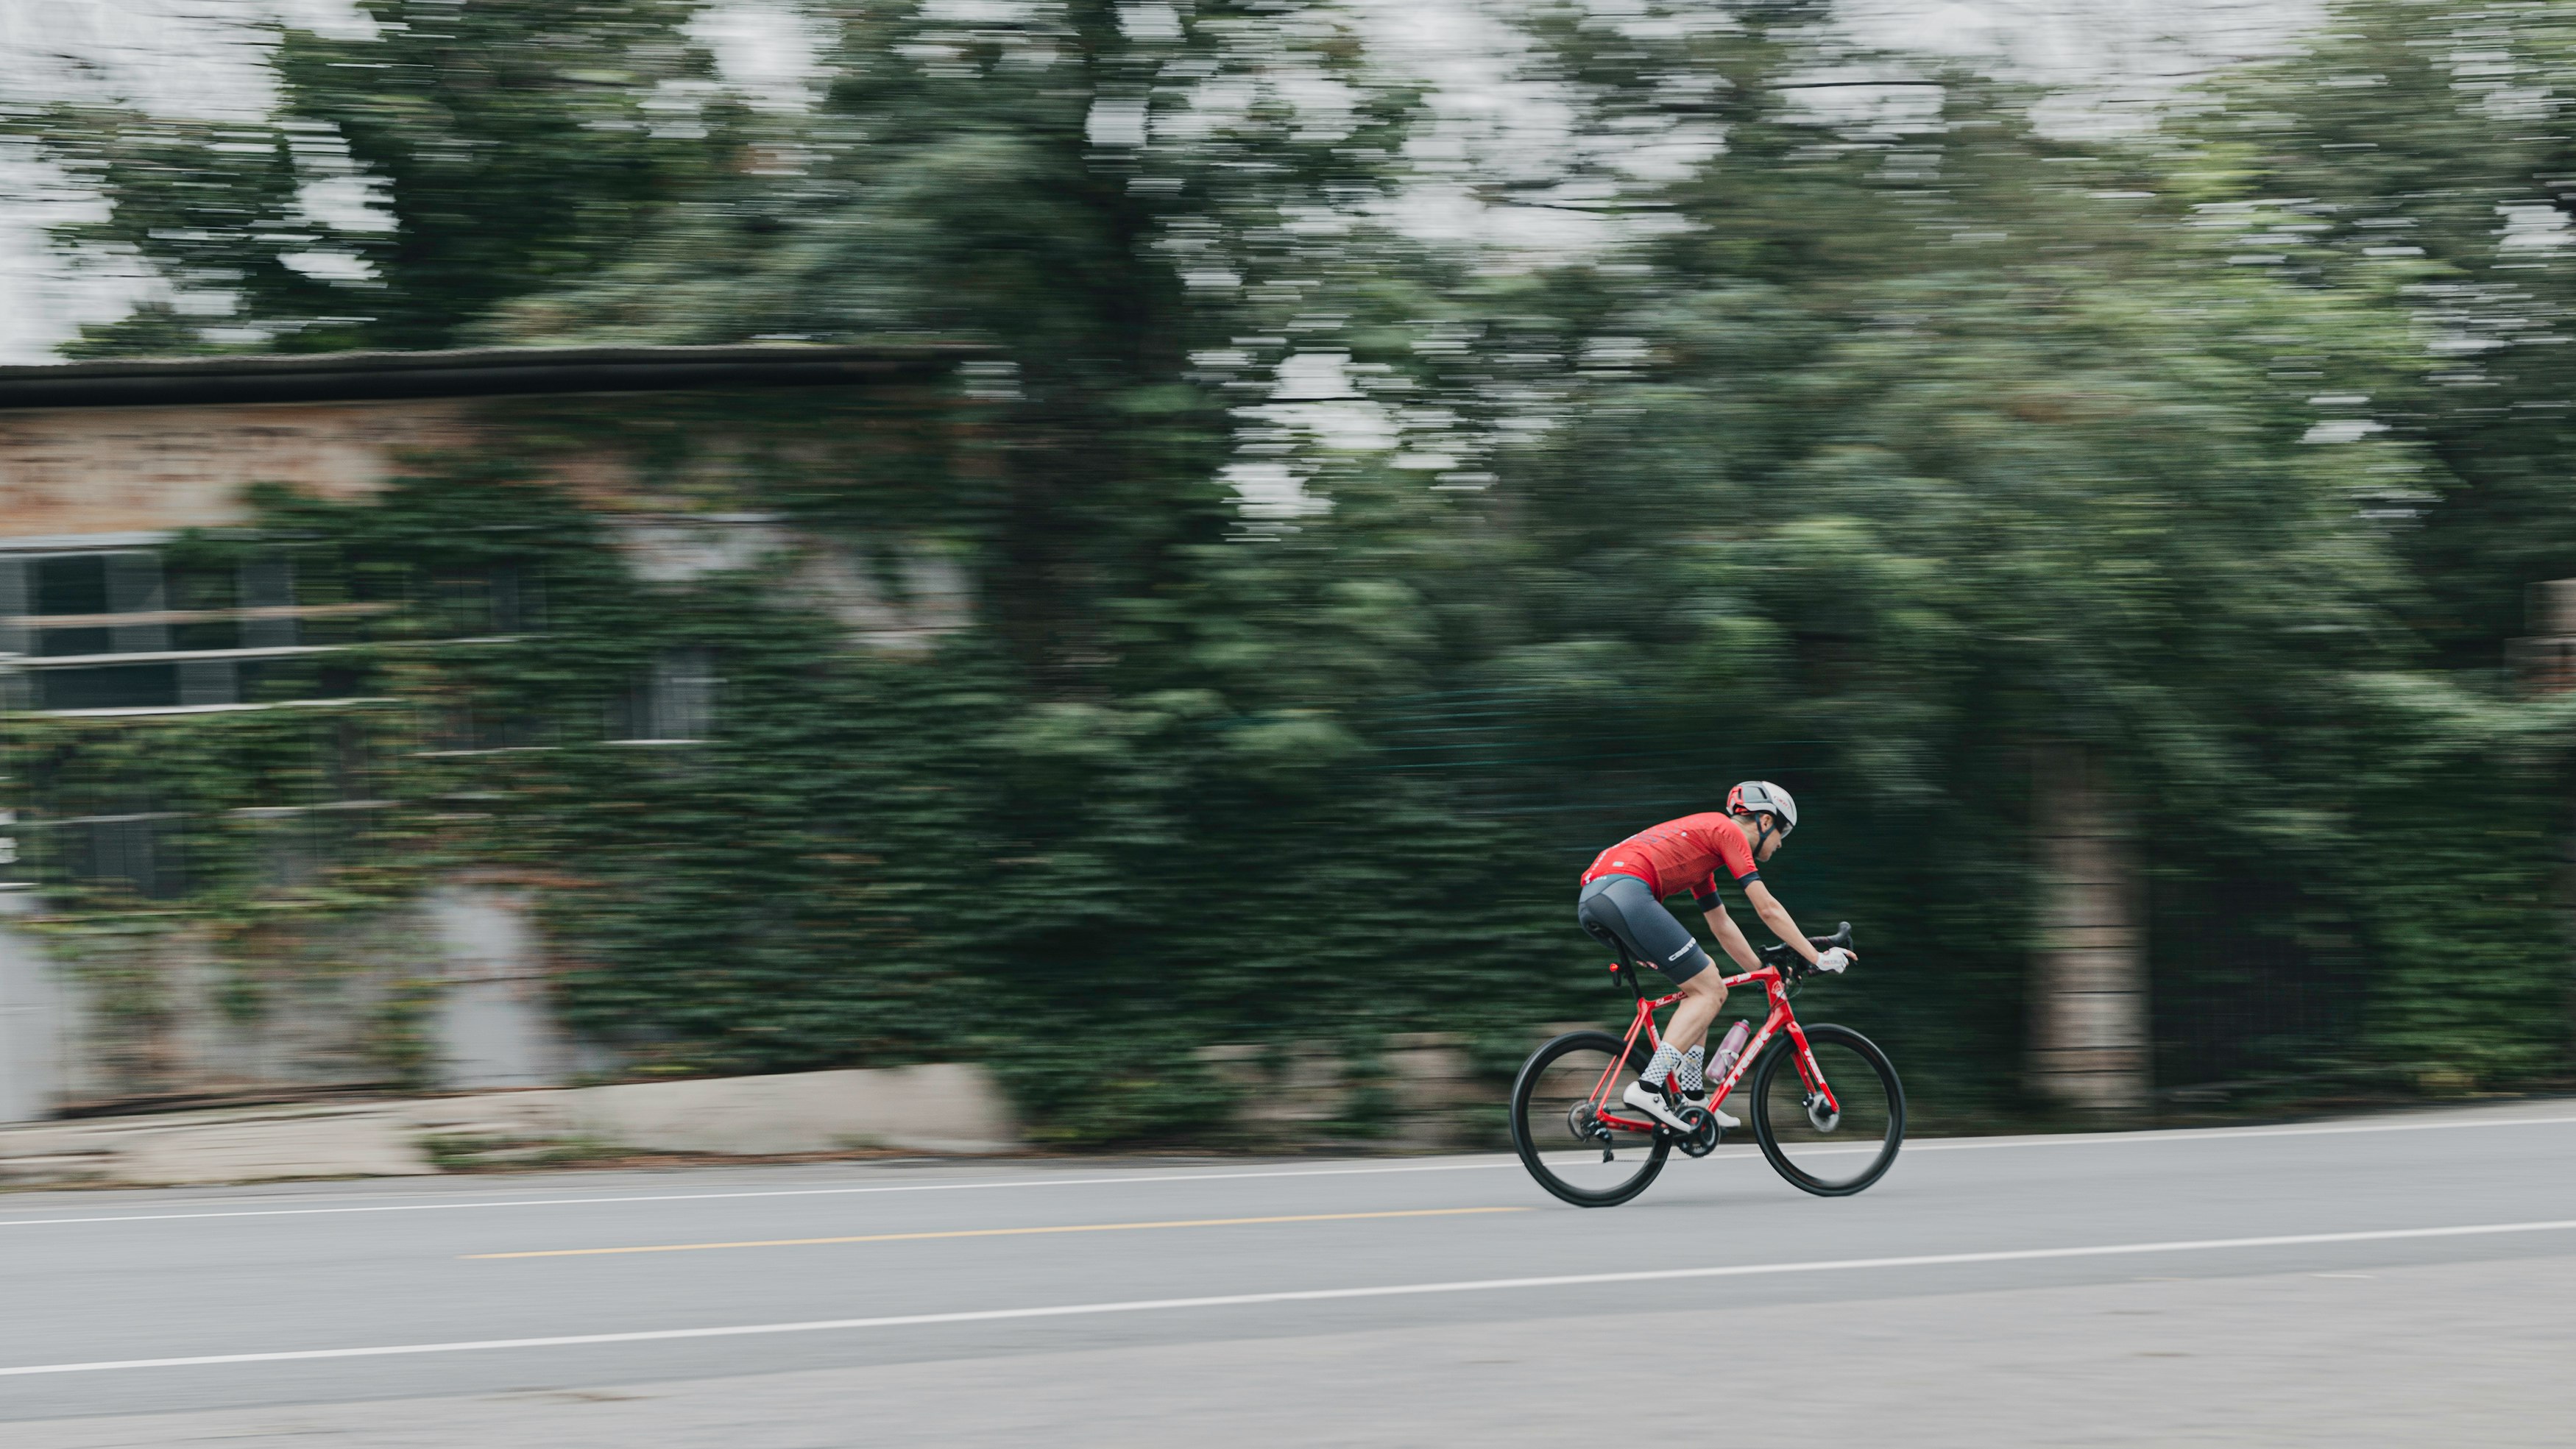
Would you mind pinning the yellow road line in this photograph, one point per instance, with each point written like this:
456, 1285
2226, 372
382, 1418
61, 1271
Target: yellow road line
998, 1232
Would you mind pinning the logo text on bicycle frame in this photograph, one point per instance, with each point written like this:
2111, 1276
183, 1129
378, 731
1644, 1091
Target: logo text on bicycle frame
1751, 1050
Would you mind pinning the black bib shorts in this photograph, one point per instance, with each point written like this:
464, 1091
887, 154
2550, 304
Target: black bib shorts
1621, 912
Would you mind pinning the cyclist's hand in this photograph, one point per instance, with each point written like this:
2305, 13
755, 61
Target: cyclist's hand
1835, 960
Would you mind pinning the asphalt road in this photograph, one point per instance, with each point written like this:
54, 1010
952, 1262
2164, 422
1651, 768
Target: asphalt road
2394, 1280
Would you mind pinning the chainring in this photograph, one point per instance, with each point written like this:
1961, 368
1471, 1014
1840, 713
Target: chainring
1704, 1133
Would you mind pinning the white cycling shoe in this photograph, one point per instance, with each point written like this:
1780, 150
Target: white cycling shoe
1651, 1101
1654, 1104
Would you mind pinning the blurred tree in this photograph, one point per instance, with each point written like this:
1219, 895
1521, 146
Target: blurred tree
2418, 160
1150, 209
1168, 221
1898, 426
1888, 378
408, 181
2412, 166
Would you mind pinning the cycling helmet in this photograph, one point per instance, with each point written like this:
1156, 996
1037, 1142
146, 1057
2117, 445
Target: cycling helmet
1754, 797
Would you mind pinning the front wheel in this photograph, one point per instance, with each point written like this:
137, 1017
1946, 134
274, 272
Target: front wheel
1571, 1153
1831, 1151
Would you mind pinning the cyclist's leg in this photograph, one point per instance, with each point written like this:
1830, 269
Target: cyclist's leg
1702, 994
1623, 910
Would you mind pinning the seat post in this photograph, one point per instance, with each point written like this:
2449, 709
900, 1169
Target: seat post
1627, 967
1628, 973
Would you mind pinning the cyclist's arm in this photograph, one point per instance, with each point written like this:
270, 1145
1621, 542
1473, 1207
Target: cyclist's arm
1730, 938
1776, 916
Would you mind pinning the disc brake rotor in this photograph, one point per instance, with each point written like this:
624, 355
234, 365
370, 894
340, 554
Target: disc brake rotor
1584, 1123
1820, 1116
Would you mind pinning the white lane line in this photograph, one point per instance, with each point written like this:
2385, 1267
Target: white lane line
422, 1207
2216, 1134
1309, 1295
2133, 1139
1150, 1175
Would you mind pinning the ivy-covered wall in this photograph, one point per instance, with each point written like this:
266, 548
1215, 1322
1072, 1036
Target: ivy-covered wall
885, 846
1152, 798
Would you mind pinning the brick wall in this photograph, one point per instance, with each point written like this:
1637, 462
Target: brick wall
74, 472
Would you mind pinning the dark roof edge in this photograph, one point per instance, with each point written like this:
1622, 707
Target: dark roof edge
466, 372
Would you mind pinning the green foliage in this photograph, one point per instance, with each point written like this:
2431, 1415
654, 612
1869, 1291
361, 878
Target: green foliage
499, 147
1140, 213
2414, 163
1338, 594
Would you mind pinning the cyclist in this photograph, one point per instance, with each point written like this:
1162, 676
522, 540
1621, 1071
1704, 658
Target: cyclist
1620, 906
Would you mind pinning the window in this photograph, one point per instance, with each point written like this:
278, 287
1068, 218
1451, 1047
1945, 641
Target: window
673, 703
138, 852
130, 631
124, 632
495, 603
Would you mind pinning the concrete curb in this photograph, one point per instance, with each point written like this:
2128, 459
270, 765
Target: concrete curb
180, 1148
944, 1107
948, 1107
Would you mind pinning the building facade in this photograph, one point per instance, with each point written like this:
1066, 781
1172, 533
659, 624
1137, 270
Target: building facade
113, 617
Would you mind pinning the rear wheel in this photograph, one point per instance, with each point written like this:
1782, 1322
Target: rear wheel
1831, 1153
1570, 1151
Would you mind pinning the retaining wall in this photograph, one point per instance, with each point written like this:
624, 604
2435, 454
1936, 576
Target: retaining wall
949, 1107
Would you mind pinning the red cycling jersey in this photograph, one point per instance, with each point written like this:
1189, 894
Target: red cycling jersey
1683, 854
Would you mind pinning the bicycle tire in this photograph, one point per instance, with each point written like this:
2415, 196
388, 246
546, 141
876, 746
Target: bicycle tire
1609, 1189
1834, 1041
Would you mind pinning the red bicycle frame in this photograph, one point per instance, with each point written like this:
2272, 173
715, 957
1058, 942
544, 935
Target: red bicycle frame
1780, 1017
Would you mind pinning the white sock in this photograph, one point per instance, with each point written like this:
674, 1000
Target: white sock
1692, 1080
1666, 1058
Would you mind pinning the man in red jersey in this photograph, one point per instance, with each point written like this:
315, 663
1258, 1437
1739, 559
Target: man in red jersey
1621, 906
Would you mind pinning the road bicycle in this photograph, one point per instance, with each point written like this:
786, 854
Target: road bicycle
1825, 1103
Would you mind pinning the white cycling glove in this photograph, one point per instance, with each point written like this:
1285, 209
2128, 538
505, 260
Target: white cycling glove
1834, 960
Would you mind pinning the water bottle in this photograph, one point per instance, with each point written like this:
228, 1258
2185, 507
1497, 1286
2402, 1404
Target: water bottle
1728, 1049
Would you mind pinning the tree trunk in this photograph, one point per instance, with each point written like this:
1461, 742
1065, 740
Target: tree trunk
2088, 991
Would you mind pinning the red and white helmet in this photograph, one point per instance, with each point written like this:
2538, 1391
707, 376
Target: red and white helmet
1753, 797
